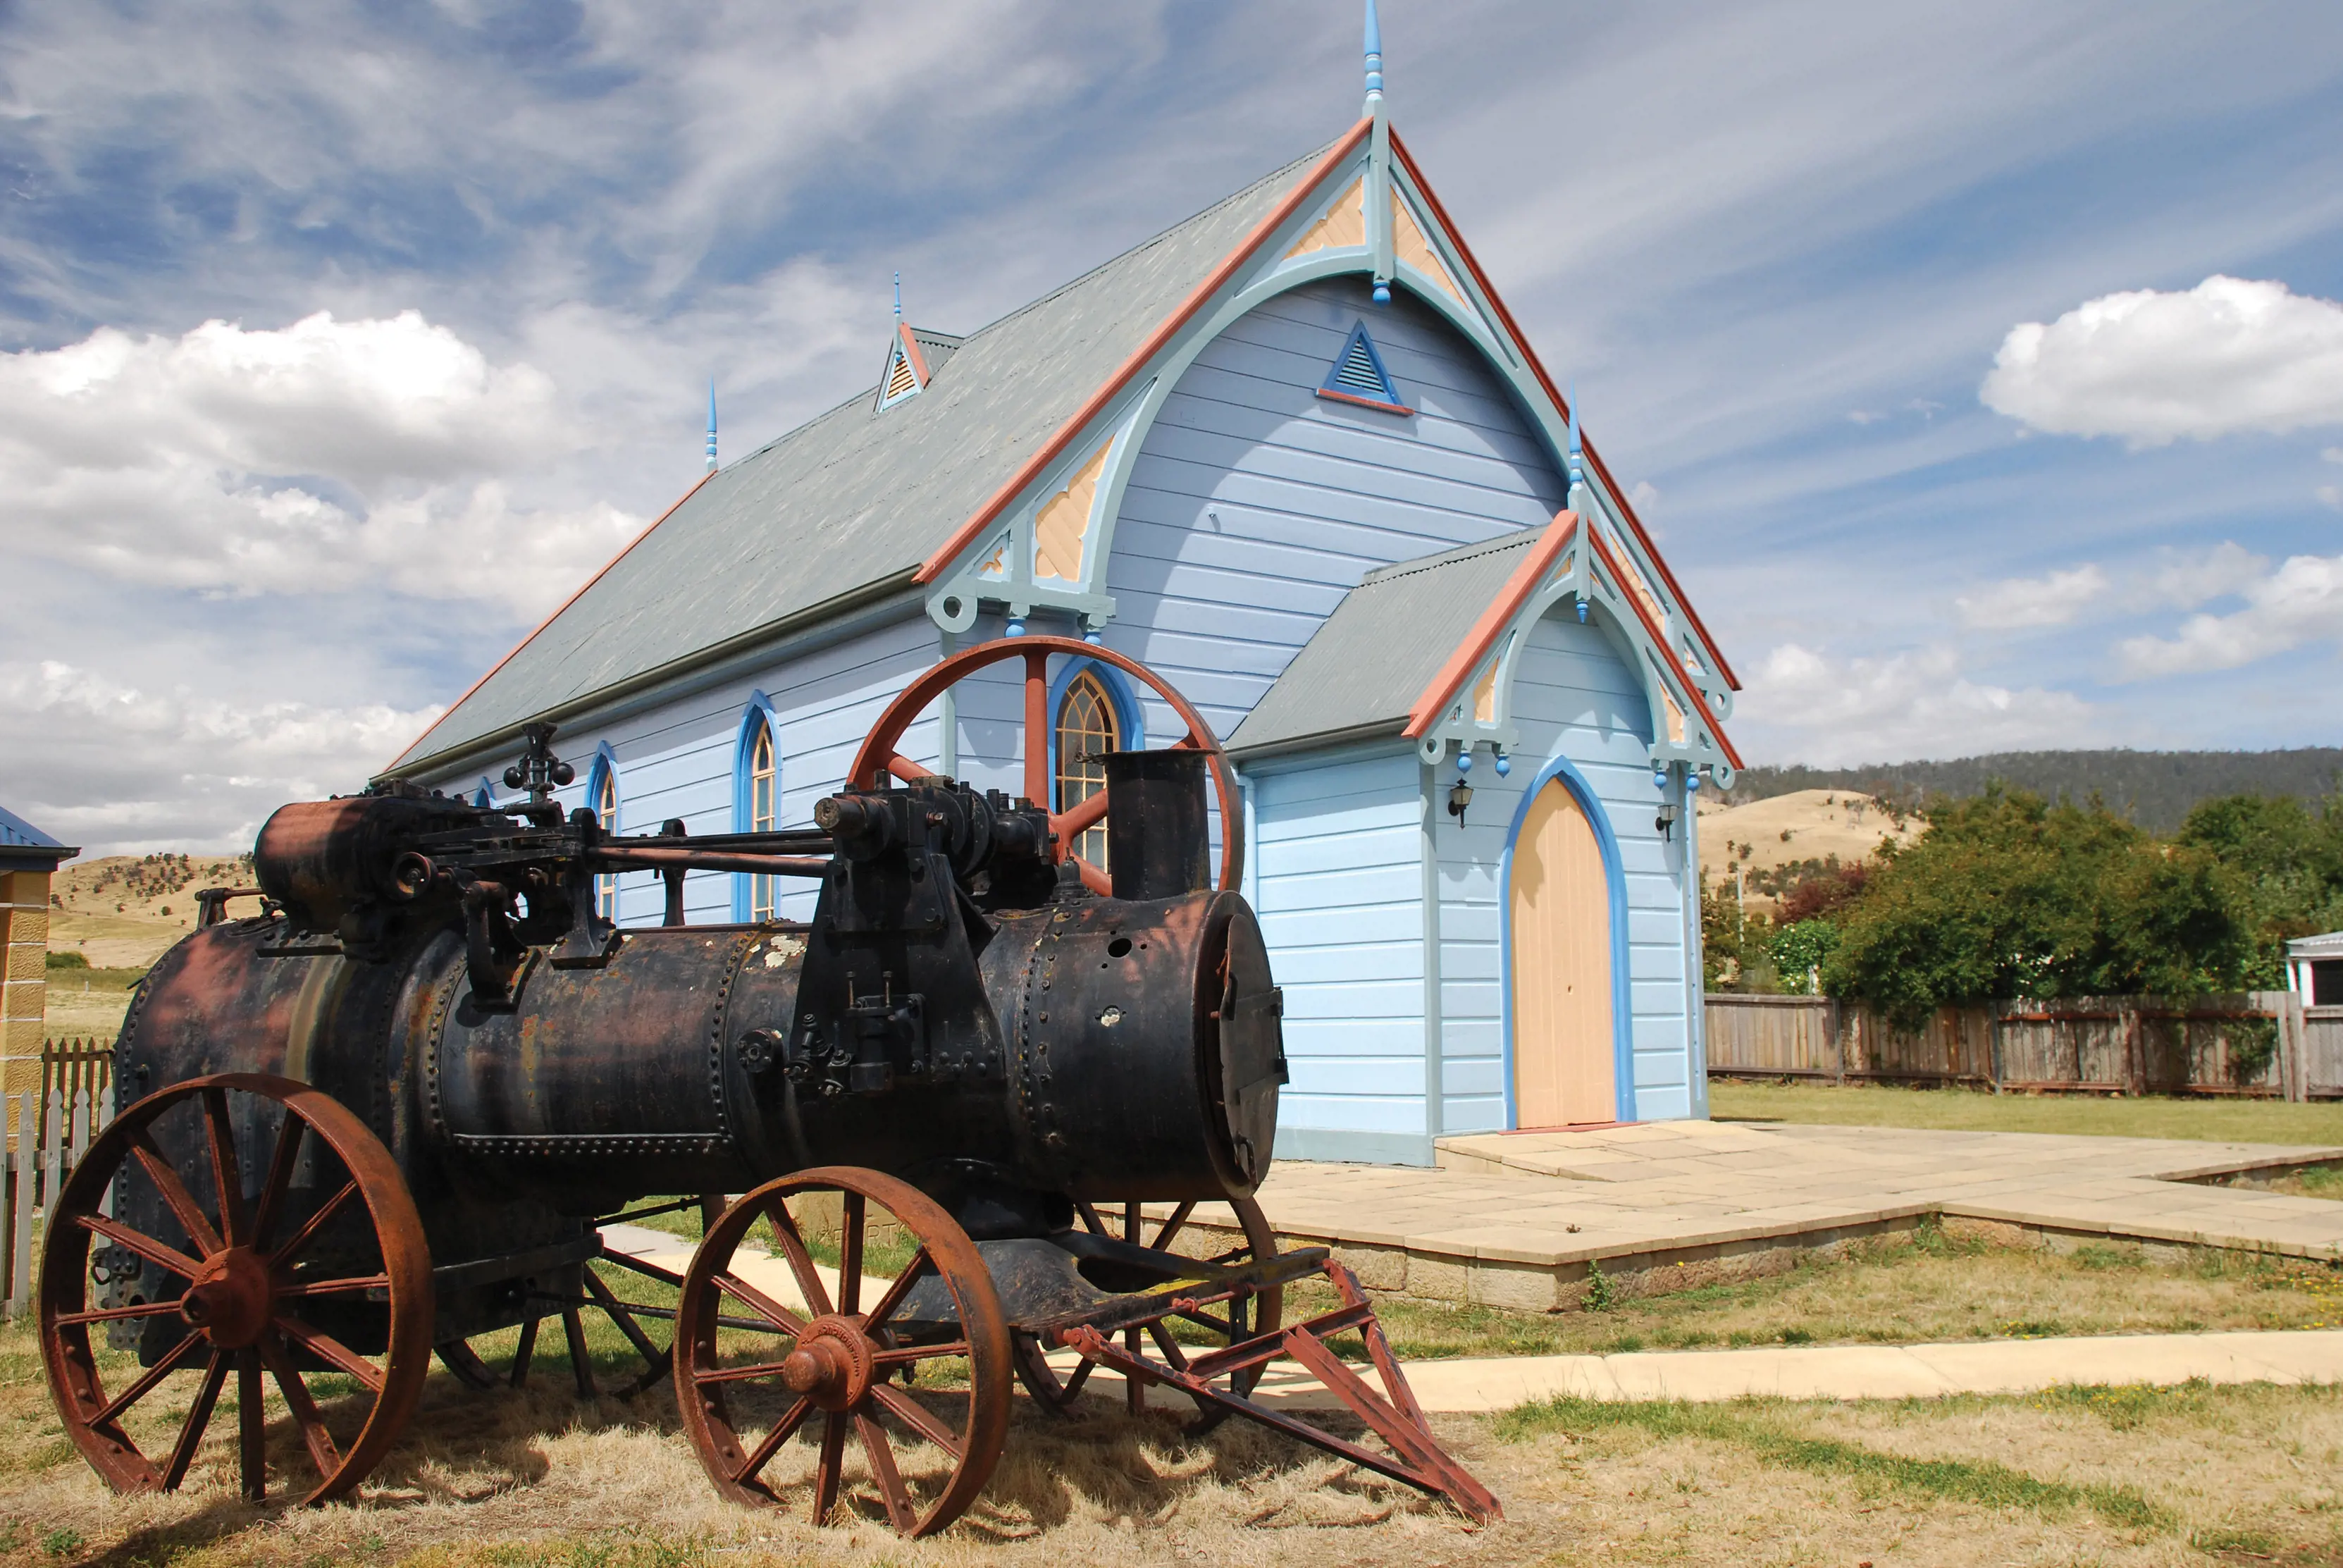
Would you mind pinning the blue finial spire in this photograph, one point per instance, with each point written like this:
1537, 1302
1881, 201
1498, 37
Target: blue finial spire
711, 423
1577, 448
1374, 59
1578, 502
899, 296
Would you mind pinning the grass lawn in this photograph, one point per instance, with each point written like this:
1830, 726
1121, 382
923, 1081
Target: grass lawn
1967, 1109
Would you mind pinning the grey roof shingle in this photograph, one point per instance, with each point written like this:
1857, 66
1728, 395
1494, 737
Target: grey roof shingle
857, 497
1361, 671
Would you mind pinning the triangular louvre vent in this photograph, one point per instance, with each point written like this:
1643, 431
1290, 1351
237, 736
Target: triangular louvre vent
902, 376
904, 380
1359, 376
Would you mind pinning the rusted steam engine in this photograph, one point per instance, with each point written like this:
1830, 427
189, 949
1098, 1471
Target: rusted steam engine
393, 1112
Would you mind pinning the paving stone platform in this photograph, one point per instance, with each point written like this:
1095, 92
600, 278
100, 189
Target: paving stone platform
1516, 1220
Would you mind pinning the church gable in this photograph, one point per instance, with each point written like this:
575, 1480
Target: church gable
1255, 503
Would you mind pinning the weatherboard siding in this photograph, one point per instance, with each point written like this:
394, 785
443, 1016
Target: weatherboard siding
1339, 888
1575, 697
678, 759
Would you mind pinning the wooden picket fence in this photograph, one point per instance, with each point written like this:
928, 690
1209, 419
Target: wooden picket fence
2212, 1045
48, 1131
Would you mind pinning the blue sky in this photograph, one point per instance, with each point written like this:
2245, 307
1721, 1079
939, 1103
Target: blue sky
467, 267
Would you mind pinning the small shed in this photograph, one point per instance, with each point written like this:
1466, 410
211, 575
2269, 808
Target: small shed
2314, 968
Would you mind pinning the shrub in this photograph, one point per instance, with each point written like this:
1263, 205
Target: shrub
67, 961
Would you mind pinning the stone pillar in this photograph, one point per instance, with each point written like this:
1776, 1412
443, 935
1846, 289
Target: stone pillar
24, 980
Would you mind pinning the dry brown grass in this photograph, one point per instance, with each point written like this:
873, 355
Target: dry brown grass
503, 1480
2117, 1477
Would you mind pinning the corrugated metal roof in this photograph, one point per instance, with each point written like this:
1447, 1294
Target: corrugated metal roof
859, 496
1365, 666
935, 347
15, 829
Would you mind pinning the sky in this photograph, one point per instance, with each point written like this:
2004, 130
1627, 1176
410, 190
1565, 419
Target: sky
1978, 366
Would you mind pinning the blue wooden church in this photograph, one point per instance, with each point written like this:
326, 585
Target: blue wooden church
1294, 455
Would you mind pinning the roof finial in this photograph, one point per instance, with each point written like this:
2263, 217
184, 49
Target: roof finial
711, 423
1577, 448
899, 296
1375, 61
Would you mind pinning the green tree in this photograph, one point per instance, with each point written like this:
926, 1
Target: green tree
1800, 949
2005, 896
2290, 859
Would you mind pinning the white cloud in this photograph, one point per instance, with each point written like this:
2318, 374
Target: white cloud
2183, 579
2230, 354
1834, 712
123, 769
319, 456
2302, 602
2052, 600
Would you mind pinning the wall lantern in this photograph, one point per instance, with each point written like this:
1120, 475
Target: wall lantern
1460, 794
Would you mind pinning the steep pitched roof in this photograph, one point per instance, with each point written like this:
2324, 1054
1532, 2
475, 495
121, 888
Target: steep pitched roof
858, 497
1360, 672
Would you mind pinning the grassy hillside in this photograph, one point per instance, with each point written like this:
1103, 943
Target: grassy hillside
2156, 788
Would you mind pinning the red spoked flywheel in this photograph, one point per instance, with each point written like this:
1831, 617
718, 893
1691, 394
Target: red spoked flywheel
878, 755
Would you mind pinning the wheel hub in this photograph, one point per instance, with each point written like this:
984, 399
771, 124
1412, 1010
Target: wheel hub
831, 1366
229, 1298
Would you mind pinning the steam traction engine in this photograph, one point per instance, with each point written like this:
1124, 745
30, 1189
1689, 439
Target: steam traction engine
391, 1113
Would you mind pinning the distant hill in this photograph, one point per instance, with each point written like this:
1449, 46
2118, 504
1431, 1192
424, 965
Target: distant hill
2155, 789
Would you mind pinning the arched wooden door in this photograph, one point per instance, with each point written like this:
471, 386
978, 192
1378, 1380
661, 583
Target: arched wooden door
1561, 909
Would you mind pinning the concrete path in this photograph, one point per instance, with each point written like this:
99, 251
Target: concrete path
765, 1271
1841, 1372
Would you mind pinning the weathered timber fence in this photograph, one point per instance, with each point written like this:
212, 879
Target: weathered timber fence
47, 1135
73, 1065
2257, 1043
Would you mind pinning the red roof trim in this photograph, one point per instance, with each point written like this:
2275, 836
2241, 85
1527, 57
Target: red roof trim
912, 351
1603, 553
1055, 446
556, 614
1521, 341
1493, 620
1508, 604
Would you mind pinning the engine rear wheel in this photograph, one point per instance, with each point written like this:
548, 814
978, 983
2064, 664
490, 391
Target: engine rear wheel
1056, 1389
270, 1283
879, 757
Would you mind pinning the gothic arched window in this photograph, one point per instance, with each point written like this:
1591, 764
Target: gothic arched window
1087, 731
763, 778
606, 808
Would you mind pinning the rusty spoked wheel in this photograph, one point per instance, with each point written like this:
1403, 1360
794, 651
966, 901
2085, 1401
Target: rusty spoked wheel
767, 1349
1224, 1323
879, 756
317, 1280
